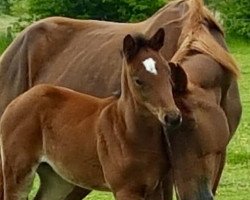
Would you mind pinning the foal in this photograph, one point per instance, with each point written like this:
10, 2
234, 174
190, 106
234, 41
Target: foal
103, 144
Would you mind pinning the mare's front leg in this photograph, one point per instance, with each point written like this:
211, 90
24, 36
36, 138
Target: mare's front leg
220, 166
167, 186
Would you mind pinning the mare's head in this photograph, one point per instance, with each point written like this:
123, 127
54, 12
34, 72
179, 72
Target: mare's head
150, 79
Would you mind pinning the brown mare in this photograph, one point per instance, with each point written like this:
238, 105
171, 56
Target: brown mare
112, 143
84, 55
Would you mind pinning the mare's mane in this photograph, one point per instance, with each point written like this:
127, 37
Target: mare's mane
195, 36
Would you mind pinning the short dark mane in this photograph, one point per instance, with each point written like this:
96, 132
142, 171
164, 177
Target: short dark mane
141, 41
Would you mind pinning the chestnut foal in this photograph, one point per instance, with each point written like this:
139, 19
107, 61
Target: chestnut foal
112, 144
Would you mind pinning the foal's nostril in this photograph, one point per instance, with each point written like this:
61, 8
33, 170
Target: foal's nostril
173, 119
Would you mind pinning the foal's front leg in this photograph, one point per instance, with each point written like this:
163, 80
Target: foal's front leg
129, 195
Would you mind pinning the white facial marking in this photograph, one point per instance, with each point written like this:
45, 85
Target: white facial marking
149, 64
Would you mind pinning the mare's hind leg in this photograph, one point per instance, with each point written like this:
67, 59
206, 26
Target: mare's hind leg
53, 187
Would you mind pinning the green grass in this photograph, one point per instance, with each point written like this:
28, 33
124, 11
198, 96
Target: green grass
235, 183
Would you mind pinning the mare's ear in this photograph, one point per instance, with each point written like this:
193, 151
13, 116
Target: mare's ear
157, 40
179, 77
129, 47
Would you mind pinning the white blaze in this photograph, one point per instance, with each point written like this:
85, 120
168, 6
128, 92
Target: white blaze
150, 65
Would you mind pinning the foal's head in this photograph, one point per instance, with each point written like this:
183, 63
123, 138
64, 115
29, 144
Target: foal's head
150, 78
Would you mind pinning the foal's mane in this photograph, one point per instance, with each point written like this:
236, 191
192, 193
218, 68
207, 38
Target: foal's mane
195, 36
141, 41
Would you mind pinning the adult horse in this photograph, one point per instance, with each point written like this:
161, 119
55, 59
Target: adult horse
84, 55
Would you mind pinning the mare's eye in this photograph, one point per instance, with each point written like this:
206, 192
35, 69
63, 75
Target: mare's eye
138, 82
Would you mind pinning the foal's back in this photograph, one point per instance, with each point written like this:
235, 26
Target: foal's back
49, 120
50, 104
46, 103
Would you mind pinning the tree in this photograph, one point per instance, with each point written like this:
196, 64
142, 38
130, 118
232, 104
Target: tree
4, 6
235, 15
113, 10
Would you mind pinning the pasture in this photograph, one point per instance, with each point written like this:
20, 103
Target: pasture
235, 183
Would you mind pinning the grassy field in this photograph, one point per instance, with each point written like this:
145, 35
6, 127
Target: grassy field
235, 183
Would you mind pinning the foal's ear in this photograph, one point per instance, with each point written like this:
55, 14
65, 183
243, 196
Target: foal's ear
179, 77
157, 40
129, 47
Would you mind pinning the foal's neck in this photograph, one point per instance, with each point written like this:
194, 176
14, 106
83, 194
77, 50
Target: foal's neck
136, 116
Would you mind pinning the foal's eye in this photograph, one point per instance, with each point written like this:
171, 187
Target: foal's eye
138, 82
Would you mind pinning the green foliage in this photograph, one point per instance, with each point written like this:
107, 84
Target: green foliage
21, 23
4, 6
5, 40
235, 15
18, 7
119, 10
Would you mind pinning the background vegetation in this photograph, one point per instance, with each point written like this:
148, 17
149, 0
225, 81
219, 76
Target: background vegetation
235, 15
115, 10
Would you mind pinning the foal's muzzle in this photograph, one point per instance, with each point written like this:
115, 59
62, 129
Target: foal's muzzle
173, 120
